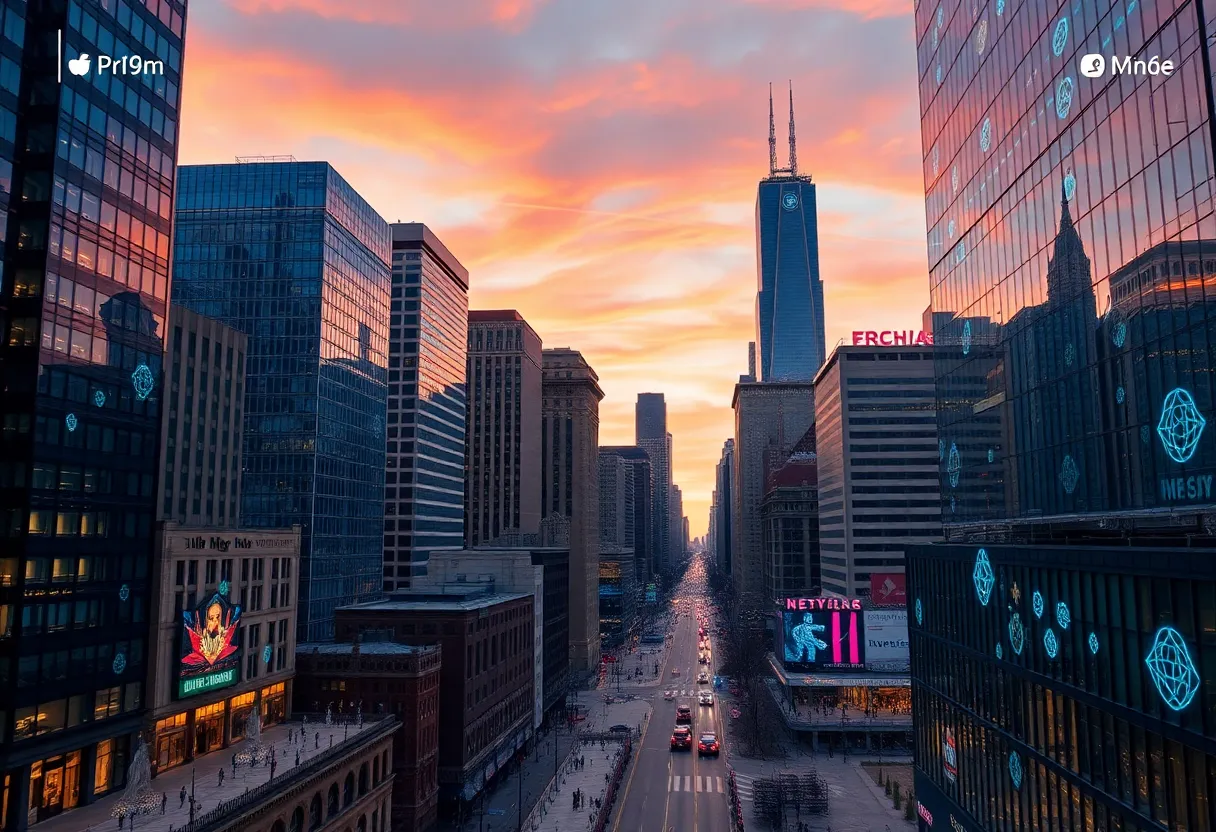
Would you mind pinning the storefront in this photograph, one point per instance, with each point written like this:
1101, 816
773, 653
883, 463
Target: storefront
209, 728
171, 742
241, 707
274, 704
54, 786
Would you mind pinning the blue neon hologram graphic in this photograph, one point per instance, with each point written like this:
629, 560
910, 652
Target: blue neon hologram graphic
991, 455
124, 592
941, 15
223, 588
954, 465
1181, 425
1172, 670
941, 449
1063, 616
952, 505
1059, 38
1036, 601
954, 178
1064, 93
981, 36
986, 135
1017, 633
1000, 7
936, 157
1118, 335
966, 334
1070, 354
806, 639
1051, 643
936, 34
119, 664
920, 612
950, 229
99, 398
1146, 434
1069, 475
1000, 651
983, 577
1120, 395
267, 653
143, 381
789, 201
71, 421
960, 252
1070, 187
937, 76
1015, 770
1093, 643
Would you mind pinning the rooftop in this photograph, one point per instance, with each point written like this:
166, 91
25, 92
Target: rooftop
473, 598
368, 648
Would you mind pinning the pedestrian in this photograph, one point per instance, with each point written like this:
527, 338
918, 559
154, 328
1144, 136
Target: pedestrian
183, 796
164, 801
297, 756
221, 780
234, 764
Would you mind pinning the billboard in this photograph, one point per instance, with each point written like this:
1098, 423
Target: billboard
210, 647
887, 641
888, 589
823, 640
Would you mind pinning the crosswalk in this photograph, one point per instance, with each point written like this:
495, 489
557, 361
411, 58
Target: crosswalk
692, 691
700, 783
743, 784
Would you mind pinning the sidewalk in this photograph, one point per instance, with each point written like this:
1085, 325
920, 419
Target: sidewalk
209, 792
592, 779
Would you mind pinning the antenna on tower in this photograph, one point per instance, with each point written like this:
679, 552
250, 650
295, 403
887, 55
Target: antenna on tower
793, 141
772, 135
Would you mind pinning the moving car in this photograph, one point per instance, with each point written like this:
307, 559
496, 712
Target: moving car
703, 678
681, 738
703, 659
708, 746
683, 715
706, 698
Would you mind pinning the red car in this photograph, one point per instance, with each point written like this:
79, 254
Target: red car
681, 738
708, 746
683, 715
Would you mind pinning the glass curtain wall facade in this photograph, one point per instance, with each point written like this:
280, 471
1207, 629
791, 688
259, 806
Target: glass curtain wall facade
1072, 247
291, 255
427, 415
82, 313
1061, 689
789, 297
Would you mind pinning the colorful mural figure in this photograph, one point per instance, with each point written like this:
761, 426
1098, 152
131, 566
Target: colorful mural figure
209, 649
805, 640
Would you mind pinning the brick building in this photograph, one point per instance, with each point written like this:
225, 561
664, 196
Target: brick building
384, 678
487, 692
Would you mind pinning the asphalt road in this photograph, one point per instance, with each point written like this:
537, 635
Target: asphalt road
678, 790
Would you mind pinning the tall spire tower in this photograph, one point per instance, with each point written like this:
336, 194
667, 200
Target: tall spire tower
793, 141
772, 135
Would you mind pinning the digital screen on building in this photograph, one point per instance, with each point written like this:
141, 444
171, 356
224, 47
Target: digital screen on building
826, 639
210, 647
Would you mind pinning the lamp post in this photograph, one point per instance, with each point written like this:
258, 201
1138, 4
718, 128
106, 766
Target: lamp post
192, 796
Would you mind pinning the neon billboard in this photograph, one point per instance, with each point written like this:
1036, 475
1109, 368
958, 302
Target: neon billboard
209, 658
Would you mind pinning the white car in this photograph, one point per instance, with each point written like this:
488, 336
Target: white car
703, 679
706, 698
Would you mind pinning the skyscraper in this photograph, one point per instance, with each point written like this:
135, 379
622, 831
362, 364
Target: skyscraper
427, 408
789, 297
642, 473
84, 304
1072, 265
570, 433
723, 501
289, 254
502, 445
650, 426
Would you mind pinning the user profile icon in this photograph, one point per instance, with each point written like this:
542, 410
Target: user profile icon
1092, 66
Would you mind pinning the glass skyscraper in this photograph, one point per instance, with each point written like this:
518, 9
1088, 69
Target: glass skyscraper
1072, 253
86, 190
789, 296
428, 350
288, 253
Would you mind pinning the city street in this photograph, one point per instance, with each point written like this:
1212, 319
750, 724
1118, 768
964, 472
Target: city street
678, 790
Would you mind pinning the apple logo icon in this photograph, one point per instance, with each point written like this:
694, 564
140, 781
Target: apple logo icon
79, 66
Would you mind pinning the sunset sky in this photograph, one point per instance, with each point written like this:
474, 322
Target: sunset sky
594, 163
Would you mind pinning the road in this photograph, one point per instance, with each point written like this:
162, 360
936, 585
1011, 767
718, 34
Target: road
678, 790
